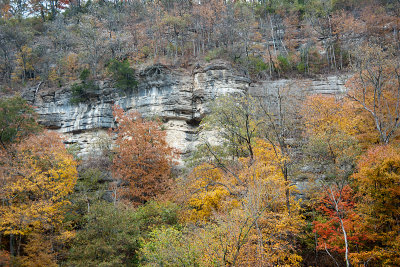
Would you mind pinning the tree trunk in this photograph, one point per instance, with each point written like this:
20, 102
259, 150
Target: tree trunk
343, 229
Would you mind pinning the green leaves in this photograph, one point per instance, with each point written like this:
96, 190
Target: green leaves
112, 234
82, 91
168, 246
109, 238
17, 119
123, 74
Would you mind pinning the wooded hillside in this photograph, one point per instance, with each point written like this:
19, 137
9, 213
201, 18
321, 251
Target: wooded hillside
236, 201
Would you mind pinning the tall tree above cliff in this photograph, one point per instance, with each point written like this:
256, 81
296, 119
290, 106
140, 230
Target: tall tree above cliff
376, 88
143, 158
48, 7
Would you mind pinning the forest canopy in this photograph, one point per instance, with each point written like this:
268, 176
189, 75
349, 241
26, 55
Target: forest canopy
52, 42
310, 180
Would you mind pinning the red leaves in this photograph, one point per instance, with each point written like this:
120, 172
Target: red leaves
328, 227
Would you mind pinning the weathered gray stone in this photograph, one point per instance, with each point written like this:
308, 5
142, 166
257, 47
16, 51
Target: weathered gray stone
178, 97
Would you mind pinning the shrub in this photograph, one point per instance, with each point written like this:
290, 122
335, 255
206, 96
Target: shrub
83, 90
254, 64
214, 53
123, 74
17, 120
84, 75
110, 237
284, 63
168, 246
301, 67
258, 64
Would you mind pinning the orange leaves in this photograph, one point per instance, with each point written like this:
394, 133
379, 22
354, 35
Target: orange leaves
358, 224
5, 11
378, 182
378, 179
333, 130
39, 252
376, 90
143, 158
5, 258
209, 12
380, 167
369, 215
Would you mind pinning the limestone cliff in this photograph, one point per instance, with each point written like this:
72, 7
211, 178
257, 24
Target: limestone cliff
178, 97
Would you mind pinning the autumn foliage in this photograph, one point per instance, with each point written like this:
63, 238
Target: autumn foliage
143, 158
37, 176
280, 176
377, 179
209, 192
253, 222
330, 235
376, 90
36, 182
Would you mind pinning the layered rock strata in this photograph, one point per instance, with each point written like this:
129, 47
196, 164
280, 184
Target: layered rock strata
179, 97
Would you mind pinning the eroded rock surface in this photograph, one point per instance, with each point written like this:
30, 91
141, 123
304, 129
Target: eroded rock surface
178, 97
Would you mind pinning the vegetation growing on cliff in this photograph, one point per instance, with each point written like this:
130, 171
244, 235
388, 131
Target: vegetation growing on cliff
286, 179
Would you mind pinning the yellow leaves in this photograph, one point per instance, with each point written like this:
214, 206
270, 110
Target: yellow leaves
39, 252
65, 236
71, 65
267, 154
379, 168
214, 190
209, 192
377, 181
263, 176
176, 21
25, 61
41, 176
252, 222
266, 195
326, 114
53, 77
334, 130
204, 204
280, 230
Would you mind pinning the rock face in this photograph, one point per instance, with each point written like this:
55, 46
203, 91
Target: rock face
179, 98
